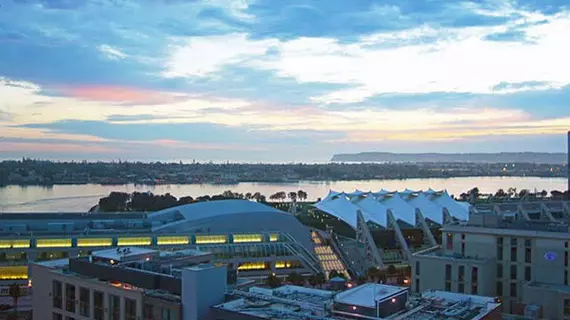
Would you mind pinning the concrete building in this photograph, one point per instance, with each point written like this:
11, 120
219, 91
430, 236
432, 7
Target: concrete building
522, 260
129, 284
369, 301
250, 237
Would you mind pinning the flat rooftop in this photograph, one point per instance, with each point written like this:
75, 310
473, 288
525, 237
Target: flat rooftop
119, 254
550, 287
367, 295
433, 305
286, 302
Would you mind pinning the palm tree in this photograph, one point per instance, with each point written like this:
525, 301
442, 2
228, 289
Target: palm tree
15, 293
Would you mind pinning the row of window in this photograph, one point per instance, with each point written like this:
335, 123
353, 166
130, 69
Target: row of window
461, 278
514, 251
513, 272
84, 305
133, 241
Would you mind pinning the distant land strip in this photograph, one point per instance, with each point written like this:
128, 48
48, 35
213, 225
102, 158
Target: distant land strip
502, 157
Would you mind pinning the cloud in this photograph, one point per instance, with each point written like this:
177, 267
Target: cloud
262, 79
464, 62
201, 56
111, 53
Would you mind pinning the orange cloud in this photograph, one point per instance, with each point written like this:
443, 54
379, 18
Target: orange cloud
120, 94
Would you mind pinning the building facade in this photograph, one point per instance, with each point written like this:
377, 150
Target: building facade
252, 238
138, 284
525, 263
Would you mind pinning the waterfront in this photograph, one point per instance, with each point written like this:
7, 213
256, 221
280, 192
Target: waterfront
79, 198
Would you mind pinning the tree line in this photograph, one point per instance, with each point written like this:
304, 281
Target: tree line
512, 193
146, 201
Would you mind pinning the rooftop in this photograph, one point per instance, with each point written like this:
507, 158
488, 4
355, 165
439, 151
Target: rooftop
122, 254
442, 305
287, 302
368, 295
550, 287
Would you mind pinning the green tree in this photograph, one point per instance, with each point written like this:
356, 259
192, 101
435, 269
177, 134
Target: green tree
295, 278
273, 281
293, 196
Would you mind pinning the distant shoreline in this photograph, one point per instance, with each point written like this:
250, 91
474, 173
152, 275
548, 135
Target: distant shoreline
283, 182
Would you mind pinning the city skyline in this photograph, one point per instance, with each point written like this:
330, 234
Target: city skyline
266, 81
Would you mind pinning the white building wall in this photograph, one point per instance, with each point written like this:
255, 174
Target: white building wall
202, 288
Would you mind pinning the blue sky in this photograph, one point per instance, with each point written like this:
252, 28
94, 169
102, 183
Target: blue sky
281, 81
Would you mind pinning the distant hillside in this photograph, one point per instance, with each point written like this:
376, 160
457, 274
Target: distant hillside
507, 157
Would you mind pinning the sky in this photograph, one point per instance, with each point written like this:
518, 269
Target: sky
281, 80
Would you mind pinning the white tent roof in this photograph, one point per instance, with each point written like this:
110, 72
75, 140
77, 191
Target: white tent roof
429, 209
374, 206
338, 205
456, 209
377, 212
400, 208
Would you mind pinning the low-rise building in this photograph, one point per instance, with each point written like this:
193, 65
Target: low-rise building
369, 301
129, 284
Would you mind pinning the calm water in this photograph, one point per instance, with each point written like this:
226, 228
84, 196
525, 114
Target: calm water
77, 198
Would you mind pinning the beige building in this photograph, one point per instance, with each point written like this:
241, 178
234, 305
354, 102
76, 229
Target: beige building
523, 262
133, 284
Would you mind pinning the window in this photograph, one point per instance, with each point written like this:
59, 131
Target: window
499, 241
527, 255
56, 316
513, 254
474, 288
463, 248
461, 275
566, 244
448, 272
513, 290
84, 303
463, 236
417, 268
566, 258
130, 309
70, 297
527, 273
500, 253
499, 288
527, 243
566, 307
148, 312
513, 272
499, 270
418, 288
114, 307
56, 293
447, 286
514, 242
166, 314
565, 278
461, 287
474, 274
449, 241
98, 305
